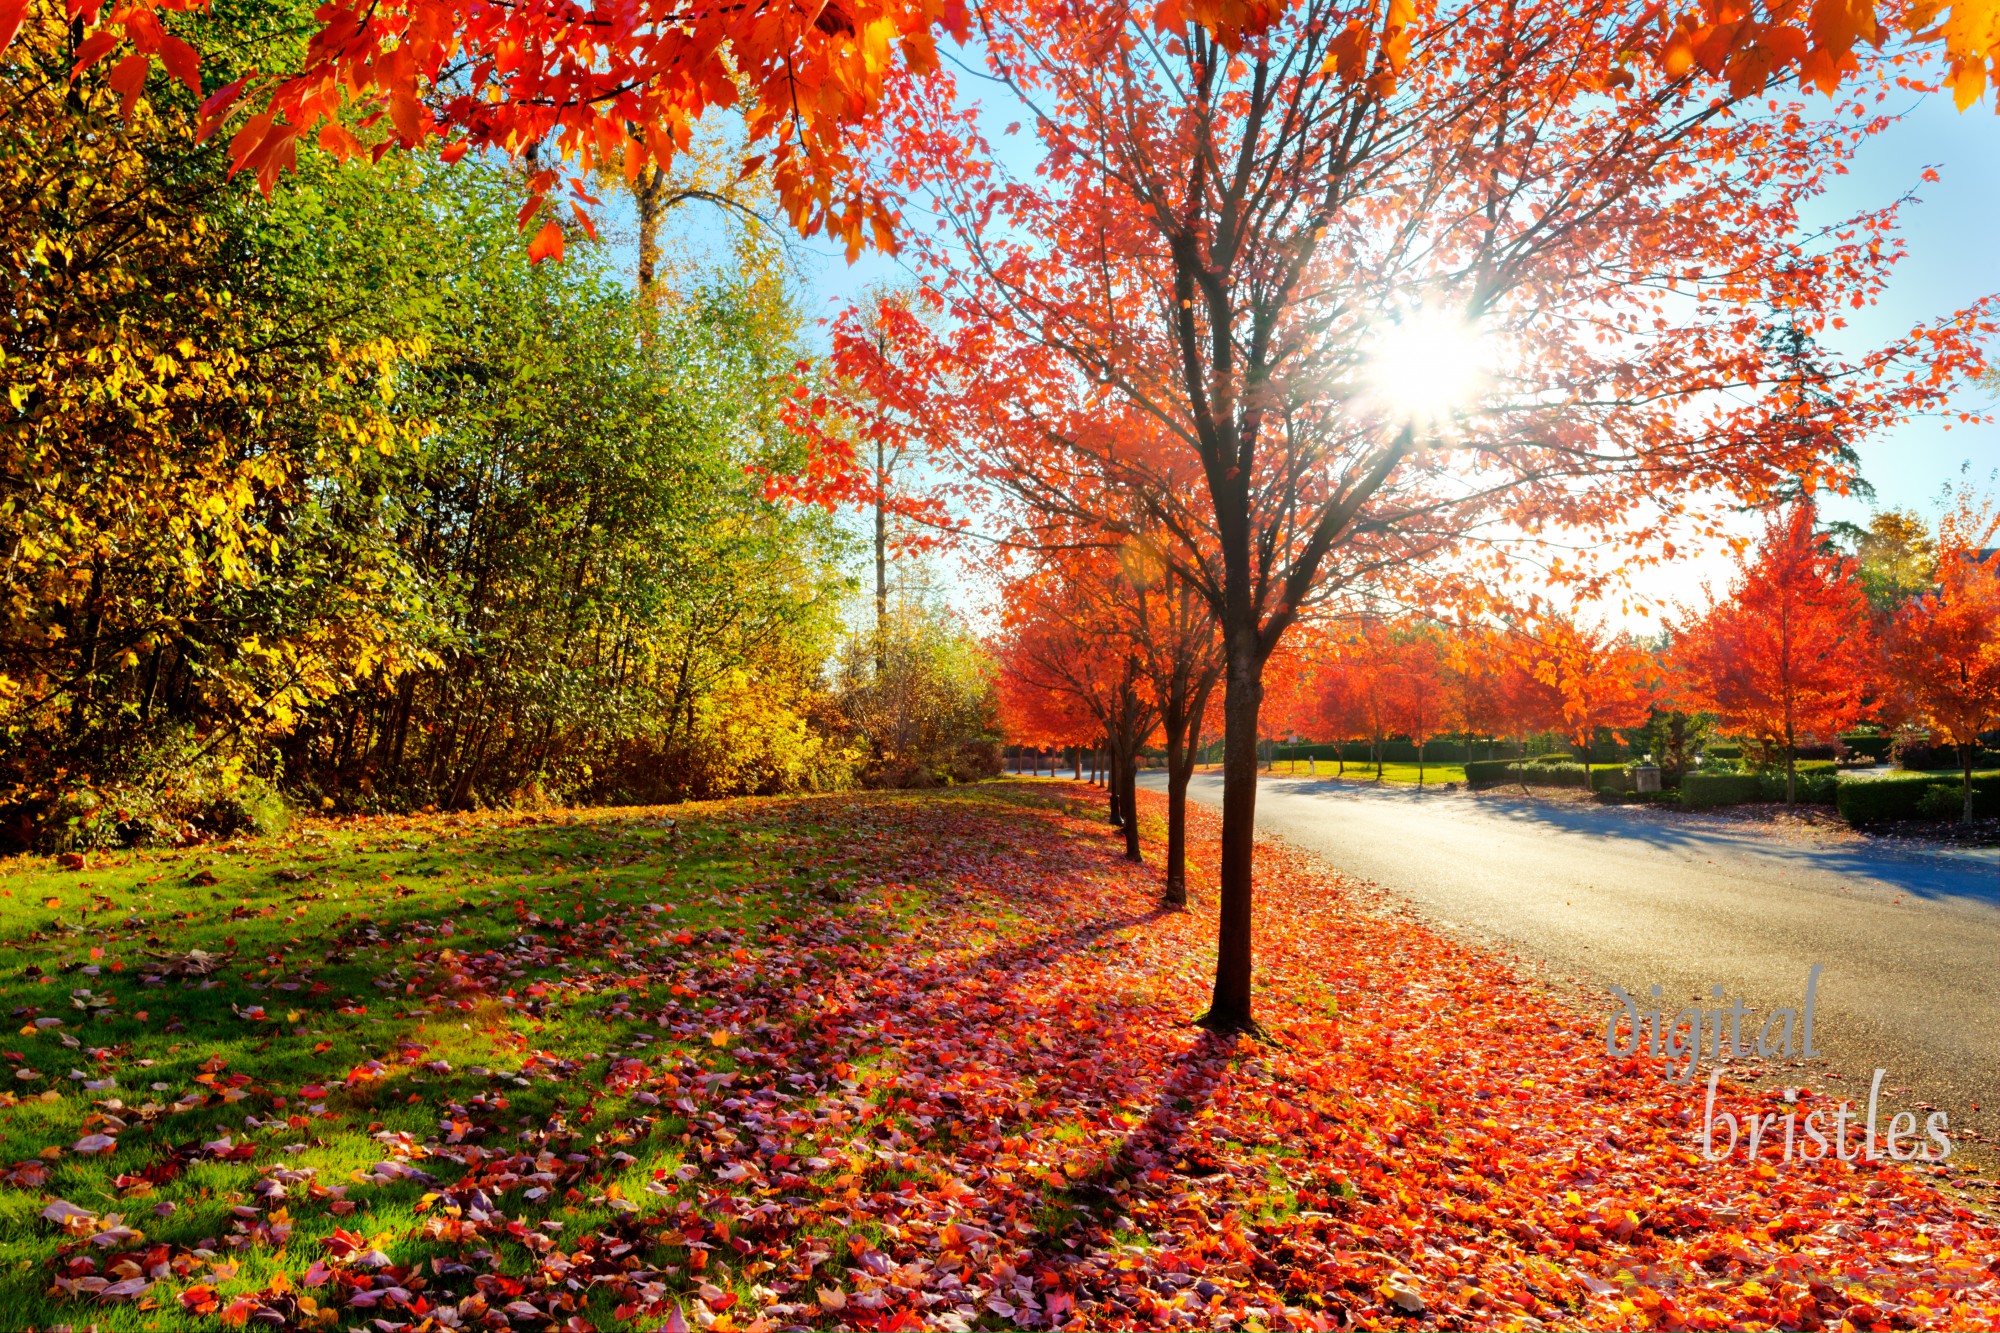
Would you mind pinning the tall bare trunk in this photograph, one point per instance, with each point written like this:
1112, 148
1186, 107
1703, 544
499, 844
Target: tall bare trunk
1229, 1007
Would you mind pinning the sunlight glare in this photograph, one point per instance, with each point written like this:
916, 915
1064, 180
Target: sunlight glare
1427, 368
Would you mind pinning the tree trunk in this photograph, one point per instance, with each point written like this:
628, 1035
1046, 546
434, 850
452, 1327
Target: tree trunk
1183, 745
1791, 768
1965, 756
1420, 765
1180, 767
881, 562
1113, 783
1131, 803
1229, 1007
1078, 753
648, 195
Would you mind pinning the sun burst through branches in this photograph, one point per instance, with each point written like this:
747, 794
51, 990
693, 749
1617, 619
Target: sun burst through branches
1427, 368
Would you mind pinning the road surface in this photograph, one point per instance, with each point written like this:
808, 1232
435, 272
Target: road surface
1909, 942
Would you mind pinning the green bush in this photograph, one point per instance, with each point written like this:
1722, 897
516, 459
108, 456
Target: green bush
1703, 791
200, 801
1880, 800
1905, 796
1941, 802
1869, 747
1489, 772
1816, 783
1725, 750
1608, 780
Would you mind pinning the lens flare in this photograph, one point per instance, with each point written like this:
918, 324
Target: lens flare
1427, 368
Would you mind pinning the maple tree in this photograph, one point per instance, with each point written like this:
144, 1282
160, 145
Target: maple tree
1789, 652
1181, 324
1599, 678
1062, 636
1418, 696
1941, 648
1171, 625
605, 86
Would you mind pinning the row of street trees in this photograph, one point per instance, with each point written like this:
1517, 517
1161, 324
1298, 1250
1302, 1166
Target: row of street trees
1795, 650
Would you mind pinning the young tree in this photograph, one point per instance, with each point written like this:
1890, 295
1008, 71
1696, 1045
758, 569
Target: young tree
1171, 625
1471, 670
1599, 679
1416, 687
1282, 252
1790, 651
1062, 633
1894, 556
1942, 648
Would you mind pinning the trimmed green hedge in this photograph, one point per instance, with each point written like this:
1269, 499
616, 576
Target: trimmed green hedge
1881, 800
1608, 779
1702, 791
1489, 772
1869, 747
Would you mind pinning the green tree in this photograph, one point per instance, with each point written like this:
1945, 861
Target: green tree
929, 715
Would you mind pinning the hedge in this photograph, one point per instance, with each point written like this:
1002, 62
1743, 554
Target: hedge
1722, 750
1489, 772
1608, 779
1881, 800
1702, 791
1921, 757
1869, 747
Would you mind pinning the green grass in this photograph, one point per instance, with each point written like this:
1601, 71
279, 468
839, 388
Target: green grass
380, 978
1406, 773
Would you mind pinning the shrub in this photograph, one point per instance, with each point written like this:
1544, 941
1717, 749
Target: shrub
1868, 747
1816, 782
182, 799
1941, 802
1882, 800
1608, 780
1489, 772
1554, 759
1703, 791
1922, 756
1724, 750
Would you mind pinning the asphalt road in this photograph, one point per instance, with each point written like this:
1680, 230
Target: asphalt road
1909, 942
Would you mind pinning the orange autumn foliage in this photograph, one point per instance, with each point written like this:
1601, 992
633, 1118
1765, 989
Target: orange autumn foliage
1173, 325
1941, 649
1789, 653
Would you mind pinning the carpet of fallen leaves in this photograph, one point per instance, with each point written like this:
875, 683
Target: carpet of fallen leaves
884, 1062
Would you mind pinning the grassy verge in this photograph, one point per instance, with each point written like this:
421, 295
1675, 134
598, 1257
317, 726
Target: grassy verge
1399, 773
875, 1061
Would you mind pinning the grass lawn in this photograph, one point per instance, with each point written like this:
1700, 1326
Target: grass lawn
1326, 768
868, 1061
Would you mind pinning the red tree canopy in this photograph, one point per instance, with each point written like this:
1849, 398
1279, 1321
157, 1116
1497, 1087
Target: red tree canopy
1599, 678
1790, 651
1942, 649
599, 83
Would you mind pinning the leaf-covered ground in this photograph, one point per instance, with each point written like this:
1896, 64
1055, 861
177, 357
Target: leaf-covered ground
877, 1061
